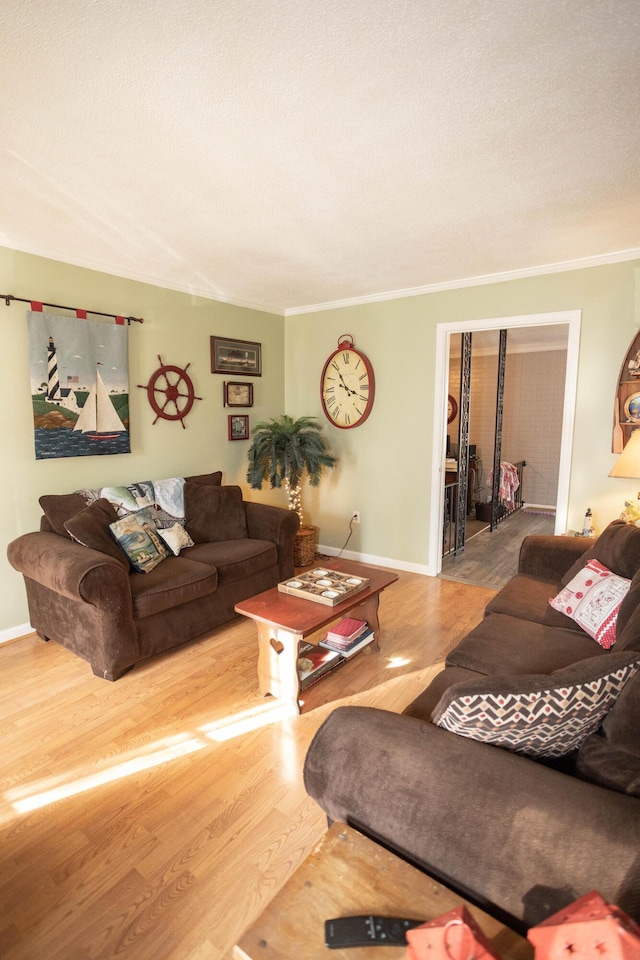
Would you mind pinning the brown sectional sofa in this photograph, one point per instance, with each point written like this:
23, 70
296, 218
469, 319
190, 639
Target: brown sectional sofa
87, 597
522, 836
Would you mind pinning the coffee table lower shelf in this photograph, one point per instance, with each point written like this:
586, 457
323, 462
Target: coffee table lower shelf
348, 874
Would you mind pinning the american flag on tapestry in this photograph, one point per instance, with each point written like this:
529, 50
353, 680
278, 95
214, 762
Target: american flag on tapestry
79, 386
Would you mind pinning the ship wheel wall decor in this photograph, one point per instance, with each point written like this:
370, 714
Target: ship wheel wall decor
170, 392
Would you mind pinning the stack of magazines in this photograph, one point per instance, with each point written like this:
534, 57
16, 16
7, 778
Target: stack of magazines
348, 636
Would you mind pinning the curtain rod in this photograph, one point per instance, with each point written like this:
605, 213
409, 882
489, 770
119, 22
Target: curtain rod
7, 297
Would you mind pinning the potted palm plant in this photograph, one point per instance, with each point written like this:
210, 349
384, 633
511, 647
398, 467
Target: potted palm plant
282, 451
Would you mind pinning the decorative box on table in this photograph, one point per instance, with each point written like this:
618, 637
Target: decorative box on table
453, 936
589, 929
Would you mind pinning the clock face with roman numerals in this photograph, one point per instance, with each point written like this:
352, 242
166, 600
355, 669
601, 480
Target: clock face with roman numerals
347, 387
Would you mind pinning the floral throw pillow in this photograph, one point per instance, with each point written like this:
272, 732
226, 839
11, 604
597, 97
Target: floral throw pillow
137, 535
593, 599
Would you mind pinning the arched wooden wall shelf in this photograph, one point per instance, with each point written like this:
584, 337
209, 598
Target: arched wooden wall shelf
626, 417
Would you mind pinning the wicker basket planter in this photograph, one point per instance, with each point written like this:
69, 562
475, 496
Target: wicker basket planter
304, 545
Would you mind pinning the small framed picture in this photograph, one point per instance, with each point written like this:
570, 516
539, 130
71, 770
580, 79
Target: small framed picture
238, 426
238, 394
236, 356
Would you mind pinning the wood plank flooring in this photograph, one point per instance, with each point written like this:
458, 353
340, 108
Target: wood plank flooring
491, 558
138, 820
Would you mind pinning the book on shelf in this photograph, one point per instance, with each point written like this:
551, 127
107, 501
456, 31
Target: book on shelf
357, 644
346, 630
314, 662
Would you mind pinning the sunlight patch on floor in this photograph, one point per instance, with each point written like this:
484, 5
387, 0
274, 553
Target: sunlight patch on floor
395, 662
117, 772
28, 798
229, 727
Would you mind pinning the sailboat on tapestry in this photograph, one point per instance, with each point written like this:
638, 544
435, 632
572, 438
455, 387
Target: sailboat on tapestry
79, 386
98, 419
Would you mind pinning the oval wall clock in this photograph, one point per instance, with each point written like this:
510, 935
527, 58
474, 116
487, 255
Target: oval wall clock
347, 385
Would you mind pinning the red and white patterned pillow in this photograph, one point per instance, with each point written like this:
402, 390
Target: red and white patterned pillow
538, 715
593, 600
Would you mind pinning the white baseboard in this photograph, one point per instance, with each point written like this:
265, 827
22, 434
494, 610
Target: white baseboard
420, 568
13, 633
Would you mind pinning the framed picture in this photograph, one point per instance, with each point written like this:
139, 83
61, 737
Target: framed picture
238, 426
632, 408
236, 356
238, 394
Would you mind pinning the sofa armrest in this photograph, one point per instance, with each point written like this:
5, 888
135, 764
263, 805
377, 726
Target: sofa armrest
548, 557
266, 522
68, 568
509, 831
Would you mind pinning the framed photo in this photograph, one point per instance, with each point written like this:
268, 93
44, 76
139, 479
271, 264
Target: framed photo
236, 356
238, 394
238, 426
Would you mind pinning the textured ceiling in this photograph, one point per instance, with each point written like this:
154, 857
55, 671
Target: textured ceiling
285, 153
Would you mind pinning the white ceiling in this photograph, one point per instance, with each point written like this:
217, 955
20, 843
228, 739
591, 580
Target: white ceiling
289, 153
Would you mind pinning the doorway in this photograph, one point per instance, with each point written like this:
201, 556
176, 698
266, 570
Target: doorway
538, 329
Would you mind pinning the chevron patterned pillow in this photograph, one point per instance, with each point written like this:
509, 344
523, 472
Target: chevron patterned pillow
593, 599
542, 715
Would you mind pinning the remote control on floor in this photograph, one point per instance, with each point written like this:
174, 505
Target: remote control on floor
367, 931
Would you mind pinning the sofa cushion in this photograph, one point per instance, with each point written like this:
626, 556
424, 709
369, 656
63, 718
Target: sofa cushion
611, 757
171, 583
210, 479
235, 559
592, 599
617, 547
628, 625
214, 513
176, 538
537, 715
501, 644
137, 535
90, 527
527, 598
58, 508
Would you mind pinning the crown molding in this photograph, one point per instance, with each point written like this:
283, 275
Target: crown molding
618, 256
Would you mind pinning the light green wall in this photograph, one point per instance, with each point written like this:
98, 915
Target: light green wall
177, 327
385, 467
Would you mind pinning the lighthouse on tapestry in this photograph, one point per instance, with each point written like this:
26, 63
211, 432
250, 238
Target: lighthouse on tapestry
53, 381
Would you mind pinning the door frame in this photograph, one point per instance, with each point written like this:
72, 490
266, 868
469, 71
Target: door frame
573, 318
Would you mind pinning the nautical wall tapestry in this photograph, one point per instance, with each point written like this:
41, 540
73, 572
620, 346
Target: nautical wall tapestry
79, 386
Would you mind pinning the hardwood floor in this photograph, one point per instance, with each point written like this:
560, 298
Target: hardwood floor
139, 821
491, 558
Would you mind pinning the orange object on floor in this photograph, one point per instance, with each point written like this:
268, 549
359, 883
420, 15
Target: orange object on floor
588, 929
453, 936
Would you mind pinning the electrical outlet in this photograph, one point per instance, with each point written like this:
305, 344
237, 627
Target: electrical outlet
355, 516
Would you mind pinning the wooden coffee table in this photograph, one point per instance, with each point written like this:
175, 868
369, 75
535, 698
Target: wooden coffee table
284, 621
349, 875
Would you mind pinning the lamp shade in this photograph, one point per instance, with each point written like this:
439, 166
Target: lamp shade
628, 463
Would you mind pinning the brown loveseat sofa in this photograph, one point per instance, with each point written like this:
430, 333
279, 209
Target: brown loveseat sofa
84, 594
521, 835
